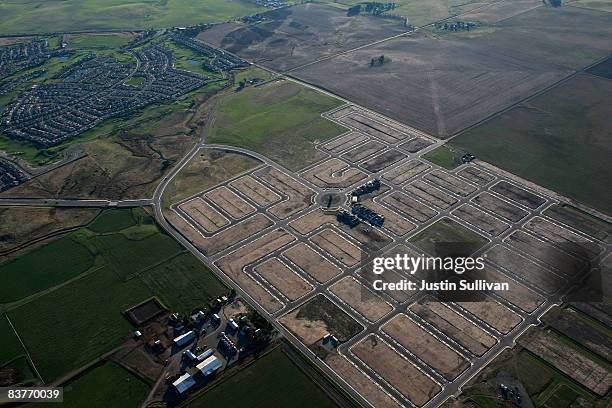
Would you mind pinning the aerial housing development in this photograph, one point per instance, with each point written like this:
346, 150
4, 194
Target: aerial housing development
306, 204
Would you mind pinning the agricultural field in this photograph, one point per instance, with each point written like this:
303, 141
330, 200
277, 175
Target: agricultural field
436, 84
114, 274
290, 37
98, 40
557, 139
27, 224
10, 348
273, 377
105, 385
281, 120
91, 15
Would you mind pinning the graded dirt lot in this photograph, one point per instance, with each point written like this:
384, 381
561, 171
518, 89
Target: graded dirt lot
311, 221
500, 207
300, 34
360, 298
567, 240
480, 219
344, 142
234, 263
451, 183
575, 123
493, 313
434, 84
361, 382
517, 294
430, 195
283, 278
416, 145
425, 346
382, 161
236, 233
204, 215
363, 151
518, 195
545, 253
299, 195
338, 247
455, 326
393, 221
409, 207
476, 175
334, 173
590, 373
525, 269
311, 262
318, 317
405, 171
376, 126
582, 221
229, 202
255, 191
396, 370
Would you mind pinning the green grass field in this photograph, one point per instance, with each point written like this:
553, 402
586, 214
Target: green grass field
272, 378
80, 15
44, 267
83, 318
447, 231
108, 41
280, 120
108, 385
559, 140
10, 348
443, 156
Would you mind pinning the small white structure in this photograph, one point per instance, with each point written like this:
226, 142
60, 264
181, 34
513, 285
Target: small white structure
232, 324
183, 383
183, 339
137, 334
189, 354
215, 317
209, 365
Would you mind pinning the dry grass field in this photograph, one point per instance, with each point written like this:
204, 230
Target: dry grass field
294, 36
435, 84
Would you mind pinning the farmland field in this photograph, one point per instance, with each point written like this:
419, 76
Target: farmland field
83, 318
107, 385
79, 15
558, 139
301, 34
271, 378
434, 83
9, 343
281, 120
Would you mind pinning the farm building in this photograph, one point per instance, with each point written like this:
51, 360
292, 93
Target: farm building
183, 383
183, 339
209, 366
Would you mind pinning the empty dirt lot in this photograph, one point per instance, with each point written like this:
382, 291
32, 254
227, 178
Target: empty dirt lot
256, 191
425, 346
518, 195
480, 219
519, 295
382, 161
204, 215
283, 278
409, 207
405, 171
296, 35
360, 298
338, 247
451, 183
334, 173
430, 195
500, 207
476, 175
434, 84
455, 326
236, 233
344, 142
396, 370
229, 202
493, 313
311, 262
300, 196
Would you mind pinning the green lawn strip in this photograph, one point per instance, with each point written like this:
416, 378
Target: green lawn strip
280, 120
183, 282
10, 347
271, 378
111, 41
445, 156
484, 400
44, 267
74, 324
107, 385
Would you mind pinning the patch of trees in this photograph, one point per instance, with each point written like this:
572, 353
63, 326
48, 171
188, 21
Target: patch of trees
371, 8
456, 26
378, 61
